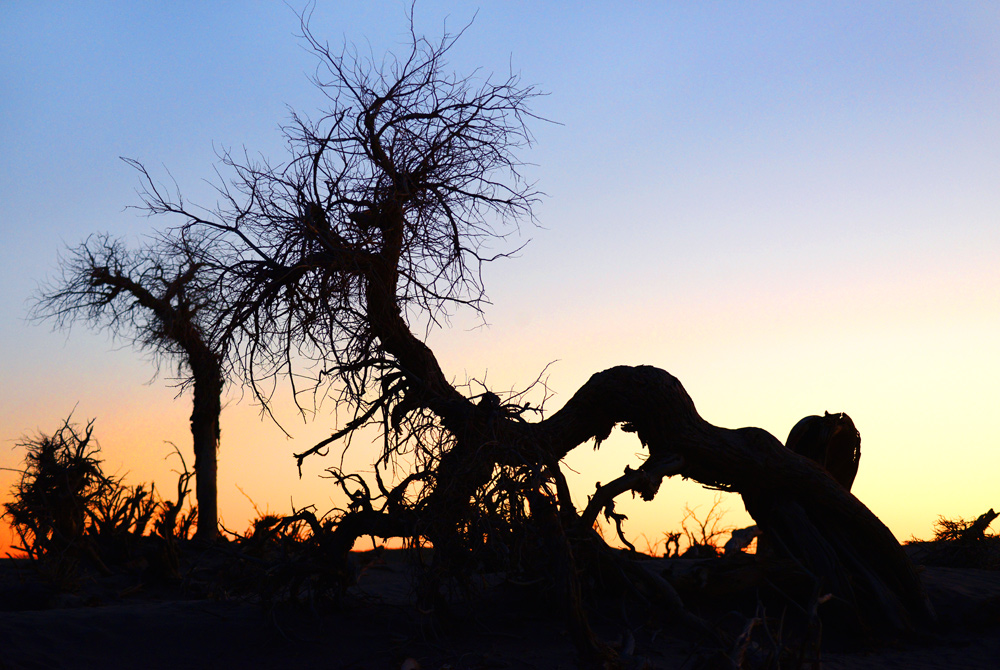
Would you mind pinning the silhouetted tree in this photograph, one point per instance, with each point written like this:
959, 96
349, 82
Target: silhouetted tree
158, 298
374, 228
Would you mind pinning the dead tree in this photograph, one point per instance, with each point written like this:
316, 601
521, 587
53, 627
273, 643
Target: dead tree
157, 298
377, 224
796, 503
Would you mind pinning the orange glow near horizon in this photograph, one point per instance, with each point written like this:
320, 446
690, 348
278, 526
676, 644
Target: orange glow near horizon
791, 208
918, 382
915, 384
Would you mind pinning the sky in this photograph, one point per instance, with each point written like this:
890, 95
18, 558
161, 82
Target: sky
792, 207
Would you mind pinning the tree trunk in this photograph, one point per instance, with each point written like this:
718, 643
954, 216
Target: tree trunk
205, 432
808, 515
797, 504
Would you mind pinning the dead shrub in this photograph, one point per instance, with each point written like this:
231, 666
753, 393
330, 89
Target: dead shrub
68, 515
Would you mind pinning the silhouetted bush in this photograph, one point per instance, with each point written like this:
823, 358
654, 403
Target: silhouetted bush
959, 543
66, 512
59, 486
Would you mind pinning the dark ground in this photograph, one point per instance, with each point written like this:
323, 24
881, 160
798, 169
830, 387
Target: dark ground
112, 622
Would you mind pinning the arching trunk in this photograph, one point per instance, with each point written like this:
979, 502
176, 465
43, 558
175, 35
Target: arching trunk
796, 503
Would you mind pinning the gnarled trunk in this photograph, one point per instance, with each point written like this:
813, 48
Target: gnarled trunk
796, 503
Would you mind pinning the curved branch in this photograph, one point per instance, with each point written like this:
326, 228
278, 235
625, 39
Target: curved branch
817, 520
646, 480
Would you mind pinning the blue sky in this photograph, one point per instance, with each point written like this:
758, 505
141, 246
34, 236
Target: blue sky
793, 207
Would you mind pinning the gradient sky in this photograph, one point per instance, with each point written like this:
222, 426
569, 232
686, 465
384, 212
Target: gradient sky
792, 207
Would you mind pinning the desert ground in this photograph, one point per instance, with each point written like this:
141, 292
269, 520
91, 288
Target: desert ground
123, 620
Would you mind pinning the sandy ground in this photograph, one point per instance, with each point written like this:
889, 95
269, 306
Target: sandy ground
112, 625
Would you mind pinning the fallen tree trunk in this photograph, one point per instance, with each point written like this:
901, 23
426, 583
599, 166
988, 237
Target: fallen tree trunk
977, 529
808, 515
804, 512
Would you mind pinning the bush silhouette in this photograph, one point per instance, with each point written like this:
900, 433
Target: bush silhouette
68, 514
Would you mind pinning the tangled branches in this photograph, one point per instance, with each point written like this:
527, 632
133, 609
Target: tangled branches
382, 212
